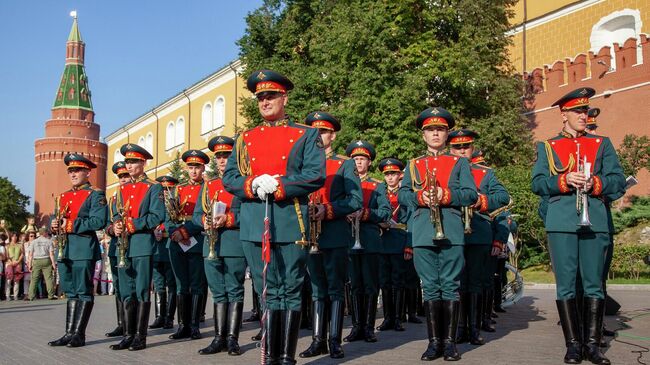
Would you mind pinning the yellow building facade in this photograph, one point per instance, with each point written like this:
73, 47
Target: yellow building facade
549, 30
188, 120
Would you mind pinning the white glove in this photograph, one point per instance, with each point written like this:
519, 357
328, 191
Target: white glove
264, 185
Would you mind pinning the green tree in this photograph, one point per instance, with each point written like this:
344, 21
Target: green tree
177, 171
634, 154
212, 171
13, 205
377, 64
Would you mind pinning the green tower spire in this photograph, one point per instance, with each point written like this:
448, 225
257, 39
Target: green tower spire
73, 92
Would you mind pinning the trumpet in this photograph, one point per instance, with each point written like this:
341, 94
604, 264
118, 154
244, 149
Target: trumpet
498, 211
356, 225
61, 235
174, 207
468, 213
315, 225
434, 204
123, 239
582, 198
213, 209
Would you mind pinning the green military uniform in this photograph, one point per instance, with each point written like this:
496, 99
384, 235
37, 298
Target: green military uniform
340, 196
282, 161
439, 262
476, 280
392, 267
164, 282
187, 260
84, 209
575, 247
364, 263
119, 169
224, 263
139, 205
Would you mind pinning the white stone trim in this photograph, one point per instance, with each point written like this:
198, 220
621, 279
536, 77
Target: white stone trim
553, 16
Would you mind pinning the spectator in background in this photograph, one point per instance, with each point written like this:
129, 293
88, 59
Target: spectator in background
40, 260
14, 265
97, 275
107, 282
26, 240
3, 257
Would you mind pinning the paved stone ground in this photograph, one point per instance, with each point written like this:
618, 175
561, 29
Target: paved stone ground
527, 334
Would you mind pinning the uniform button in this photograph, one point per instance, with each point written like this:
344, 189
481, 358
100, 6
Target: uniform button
245, 134
291, 140
253, 158
455, 158
598, 140
131, 196
221, 191
283, 157
435, 158
74, 193
552, 142
249, 143
300, 132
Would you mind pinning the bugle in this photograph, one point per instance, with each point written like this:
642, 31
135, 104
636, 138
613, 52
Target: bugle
356, 233
582, 198
434, 205
61, 235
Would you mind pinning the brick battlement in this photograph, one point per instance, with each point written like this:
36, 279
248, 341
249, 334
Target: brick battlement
549, 83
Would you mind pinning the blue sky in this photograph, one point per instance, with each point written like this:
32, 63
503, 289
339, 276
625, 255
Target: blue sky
138, 53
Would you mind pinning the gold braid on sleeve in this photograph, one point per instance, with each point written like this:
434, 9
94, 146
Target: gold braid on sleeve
552, 167
243, 164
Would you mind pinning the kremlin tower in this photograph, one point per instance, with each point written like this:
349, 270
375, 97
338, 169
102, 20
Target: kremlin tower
71, 129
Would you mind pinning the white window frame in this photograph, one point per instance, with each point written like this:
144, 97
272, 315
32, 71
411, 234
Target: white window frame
600, 37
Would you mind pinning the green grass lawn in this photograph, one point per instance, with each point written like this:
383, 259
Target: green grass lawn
537, 274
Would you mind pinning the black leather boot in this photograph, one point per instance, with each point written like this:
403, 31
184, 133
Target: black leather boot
593, 330
160, 309
184, 313
171, 309
273, 336
290, 337
411, 306
567, 309
69, 319
419, 304
204, 304
498, 294
371, 316
255, 312
319, 334
474, 319
462, 333
398, 304
388, 309
130, 324
81, 317
486, 311
357, 312
433, 311
258, 336
234, 325
218, 343
119, 310
140, 339
348, 299
450, 324
336, 329
306, 304
197, 309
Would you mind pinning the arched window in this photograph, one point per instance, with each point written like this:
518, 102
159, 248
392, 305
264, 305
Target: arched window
219, 113
141, 142
169, 135
117, 156
616, 27
179, 136
206, 118
148, 142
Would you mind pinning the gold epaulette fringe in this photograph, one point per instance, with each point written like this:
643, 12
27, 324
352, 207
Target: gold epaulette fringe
552, 167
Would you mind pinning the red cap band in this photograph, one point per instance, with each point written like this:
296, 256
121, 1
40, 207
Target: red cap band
323, 124
431, 121
134, 155
360, 151
264, 86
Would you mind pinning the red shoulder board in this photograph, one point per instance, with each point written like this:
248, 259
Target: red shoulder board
367, 187
72, 201
133, 193
564, 148
442, 165
188, 195
479, 173
269, 148
216, 190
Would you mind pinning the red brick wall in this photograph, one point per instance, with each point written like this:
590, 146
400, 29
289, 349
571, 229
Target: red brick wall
623, 95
